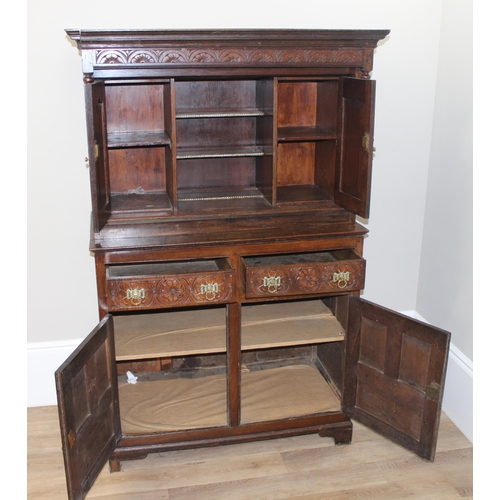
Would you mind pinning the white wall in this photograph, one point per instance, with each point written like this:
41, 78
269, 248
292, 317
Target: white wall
445, 292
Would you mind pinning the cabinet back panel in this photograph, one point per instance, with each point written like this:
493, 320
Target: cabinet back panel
137, 169
296, 163
216, 173
219, 132
215, 94
131, 108
308, 104
297, 104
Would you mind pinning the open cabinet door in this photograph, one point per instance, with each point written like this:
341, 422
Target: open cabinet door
394, 374
87, 394
354, 163
95, 97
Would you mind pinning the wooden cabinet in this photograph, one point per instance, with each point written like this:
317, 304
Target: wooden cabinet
227, 169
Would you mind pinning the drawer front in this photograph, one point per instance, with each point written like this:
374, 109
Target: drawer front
154, 292
305, 277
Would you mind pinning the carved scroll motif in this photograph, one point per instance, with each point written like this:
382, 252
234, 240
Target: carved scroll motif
228, 56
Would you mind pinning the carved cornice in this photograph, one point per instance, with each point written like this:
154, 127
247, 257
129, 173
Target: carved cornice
227, 48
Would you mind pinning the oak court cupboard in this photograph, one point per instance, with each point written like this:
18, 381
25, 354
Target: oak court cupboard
227, 168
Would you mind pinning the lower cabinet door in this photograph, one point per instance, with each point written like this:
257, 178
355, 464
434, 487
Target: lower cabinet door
87, 394
394, 376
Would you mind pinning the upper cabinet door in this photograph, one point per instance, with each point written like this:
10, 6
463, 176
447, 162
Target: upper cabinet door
394, 375
354, 165
87, 393
95, 95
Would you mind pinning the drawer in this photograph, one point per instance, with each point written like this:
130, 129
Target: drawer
169, 284
303, 273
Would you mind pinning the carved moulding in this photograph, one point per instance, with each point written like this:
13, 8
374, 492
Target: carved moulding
228, 56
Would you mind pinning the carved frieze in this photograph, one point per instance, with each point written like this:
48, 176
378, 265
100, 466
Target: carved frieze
228, 56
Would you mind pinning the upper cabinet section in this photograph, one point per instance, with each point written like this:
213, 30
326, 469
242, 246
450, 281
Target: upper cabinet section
189, 124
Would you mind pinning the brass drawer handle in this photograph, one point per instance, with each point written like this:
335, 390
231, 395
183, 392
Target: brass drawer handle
272, 283
135, 295
209, 290
341, 279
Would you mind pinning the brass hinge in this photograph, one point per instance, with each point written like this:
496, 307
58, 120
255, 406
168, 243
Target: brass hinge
96, 150
433, 391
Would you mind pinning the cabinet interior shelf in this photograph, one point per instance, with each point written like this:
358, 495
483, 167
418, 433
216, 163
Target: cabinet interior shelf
302, 133
118, 140
203, 331
188, 154
221, 113
137, 202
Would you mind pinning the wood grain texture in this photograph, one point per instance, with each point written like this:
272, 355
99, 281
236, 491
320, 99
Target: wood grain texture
303, 468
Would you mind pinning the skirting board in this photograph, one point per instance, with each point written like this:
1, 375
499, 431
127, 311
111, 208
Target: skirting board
45, 357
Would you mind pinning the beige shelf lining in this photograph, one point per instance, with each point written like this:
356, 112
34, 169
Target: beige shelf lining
203, 331
181, 404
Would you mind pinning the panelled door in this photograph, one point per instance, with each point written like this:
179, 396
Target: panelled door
95, 96
394, 375
87, 393
354, 162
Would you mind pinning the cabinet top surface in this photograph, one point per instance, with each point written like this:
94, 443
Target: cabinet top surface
89, 37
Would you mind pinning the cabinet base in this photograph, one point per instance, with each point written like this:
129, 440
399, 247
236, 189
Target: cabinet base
340, 432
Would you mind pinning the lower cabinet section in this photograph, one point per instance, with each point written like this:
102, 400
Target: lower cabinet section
235, 368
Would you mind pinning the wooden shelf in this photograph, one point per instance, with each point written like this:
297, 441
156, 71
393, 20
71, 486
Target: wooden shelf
187, 154
298, 134
303, 193
203, 331
221, 113
137, 139
130, 203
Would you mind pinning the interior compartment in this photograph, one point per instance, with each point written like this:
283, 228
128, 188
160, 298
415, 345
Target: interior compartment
224, 140
278, 355
307, 140
139, 142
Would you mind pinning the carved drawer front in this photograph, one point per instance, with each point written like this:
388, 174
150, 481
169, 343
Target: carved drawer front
169, 284
297, 274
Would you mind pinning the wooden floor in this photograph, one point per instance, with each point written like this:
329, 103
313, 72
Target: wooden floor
301, 468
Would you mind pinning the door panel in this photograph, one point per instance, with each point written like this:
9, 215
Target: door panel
394, 375
87, 394
354, 163
95, 96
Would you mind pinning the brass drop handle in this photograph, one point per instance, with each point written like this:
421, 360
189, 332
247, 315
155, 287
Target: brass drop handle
209, 290
272, 283
341, 279
135, 295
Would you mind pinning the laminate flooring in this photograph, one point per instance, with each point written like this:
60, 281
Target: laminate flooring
301, 468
